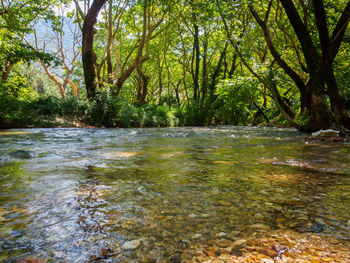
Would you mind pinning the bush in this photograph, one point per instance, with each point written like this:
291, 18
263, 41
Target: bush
105, 110
73, 107
111, 111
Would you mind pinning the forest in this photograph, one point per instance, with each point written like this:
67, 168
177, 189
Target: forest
163, 131
153, 63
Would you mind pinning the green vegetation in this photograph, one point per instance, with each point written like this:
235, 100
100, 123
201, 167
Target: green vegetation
171, 63
103, 111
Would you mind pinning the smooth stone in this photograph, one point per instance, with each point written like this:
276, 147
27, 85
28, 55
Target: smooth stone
192, 215
223, 243
259, 216
239, 242
259, 226
133, 244
268, 252
236, 252
210, 252
268, 260
224, 203
196, 236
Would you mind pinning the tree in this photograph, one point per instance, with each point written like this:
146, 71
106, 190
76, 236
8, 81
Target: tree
69, 57
319, 64
88, 55
16, 20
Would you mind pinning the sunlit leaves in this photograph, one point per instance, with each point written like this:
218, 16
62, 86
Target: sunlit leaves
19, 21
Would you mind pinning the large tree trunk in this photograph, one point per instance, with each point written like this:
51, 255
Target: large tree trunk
319, 66
317, 108
88, 55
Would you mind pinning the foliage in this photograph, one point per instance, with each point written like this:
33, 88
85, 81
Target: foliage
110, 111
196, 62
234, 104
17, 20
16, 88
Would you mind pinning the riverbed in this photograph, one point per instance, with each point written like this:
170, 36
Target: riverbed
157, 194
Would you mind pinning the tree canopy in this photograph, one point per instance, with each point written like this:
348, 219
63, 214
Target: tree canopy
275, 62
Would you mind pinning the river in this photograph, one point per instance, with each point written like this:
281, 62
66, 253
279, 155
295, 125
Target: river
150, 195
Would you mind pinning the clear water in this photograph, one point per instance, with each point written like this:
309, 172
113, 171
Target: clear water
77, 195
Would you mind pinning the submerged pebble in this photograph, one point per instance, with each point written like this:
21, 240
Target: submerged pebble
133, 244
196, 236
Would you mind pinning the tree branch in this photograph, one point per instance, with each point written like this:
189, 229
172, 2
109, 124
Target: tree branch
339, 31
311, 55
321, 23
289, 71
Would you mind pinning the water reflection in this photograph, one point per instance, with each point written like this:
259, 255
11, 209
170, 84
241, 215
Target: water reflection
85, 195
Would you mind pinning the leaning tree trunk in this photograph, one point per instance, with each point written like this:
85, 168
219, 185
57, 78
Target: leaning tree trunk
88, 55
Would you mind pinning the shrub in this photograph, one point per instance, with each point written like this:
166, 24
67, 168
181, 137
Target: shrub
105, 110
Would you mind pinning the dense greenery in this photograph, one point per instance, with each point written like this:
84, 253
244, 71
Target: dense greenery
168, 63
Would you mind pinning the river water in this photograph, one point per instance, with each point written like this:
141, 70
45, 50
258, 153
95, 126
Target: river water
130, 195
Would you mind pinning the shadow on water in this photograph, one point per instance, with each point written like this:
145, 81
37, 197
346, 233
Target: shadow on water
88, 195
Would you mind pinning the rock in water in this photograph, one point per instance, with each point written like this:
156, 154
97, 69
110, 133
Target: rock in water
331, 135
196, 236
325, 133
20, 154
192, 215
239, 242
133, 244
268, 252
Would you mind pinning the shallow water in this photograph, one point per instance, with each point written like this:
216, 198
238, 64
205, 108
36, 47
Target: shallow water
79, 195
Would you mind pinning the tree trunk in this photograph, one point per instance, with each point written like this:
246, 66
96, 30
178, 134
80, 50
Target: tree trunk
160, 82
196, 52
6, 72
317, 109
233, 67
88, 55
177, 93
109, 42
216, 74
339, 109
205, 67
313, 98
